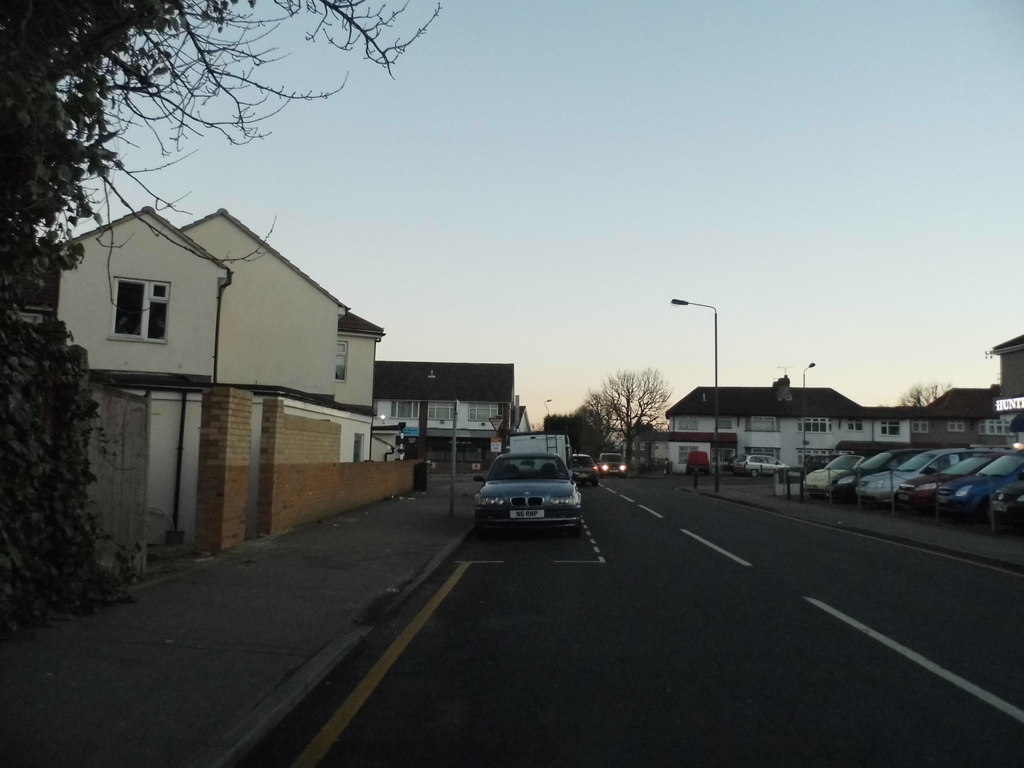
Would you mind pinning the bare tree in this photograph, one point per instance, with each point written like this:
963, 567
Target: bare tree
923, 394
629, 401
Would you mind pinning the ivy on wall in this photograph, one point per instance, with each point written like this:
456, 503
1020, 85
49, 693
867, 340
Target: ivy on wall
48, 556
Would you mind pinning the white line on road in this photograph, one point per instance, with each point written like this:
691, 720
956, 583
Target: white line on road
648, 509
626, 498
965, 685
707, 543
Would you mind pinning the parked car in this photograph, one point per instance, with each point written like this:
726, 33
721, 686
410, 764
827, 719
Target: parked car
697, 462
879, 487
843, 486
970, 495
611, 464
814, 463
737, 461
817, 482
585, 470
1008, 502
526, 490
757, 464
918, 493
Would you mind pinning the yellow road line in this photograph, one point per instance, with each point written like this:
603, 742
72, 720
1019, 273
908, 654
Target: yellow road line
332, 730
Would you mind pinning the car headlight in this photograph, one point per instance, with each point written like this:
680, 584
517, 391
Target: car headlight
927, 486
564, 501
961, 492
489, 501
846, 480
877, 484
1021, 497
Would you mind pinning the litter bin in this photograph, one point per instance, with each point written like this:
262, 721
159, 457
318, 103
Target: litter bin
419, 476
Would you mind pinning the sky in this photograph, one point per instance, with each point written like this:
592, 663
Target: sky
536, 181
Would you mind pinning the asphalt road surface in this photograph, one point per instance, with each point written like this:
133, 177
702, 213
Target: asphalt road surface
681, 630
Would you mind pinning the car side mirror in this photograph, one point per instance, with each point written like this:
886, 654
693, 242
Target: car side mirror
480, 478
928, 471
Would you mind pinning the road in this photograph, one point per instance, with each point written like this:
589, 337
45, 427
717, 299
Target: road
681, 630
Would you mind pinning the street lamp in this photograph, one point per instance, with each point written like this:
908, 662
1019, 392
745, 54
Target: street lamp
803, 418
714, 450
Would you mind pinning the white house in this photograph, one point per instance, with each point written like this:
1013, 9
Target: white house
165, 312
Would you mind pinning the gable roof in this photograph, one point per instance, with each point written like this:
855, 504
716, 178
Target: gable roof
474, 382
223, 212
975, 403
351, 323
186, 242
763, 401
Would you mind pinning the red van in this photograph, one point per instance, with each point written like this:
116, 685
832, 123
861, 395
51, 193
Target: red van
698, 462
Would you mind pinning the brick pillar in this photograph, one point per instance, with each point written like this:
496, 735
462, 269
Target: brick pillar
267, 502
223, 487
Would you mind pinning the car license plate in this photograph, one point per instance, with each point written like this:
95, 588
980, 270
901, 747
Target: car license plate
998, 506
518, 514
903, 496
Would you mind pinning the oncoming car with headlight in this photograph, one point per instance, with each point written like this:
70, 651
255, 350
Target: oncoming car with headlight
528, 490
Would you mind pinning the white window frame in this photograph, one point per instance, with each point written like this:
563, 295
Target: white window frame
767, 421
855, 425
919, 426
889, 427
151, 298
817, 424
956, 425
440, 411
405, 409
725, 422
685, 423
482, 411
994, 427
341, 361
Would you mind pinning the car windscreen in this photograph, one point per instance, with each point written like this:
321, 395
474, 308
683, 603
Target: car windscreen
616, 457
1003, 466
843, 462
513, 467
968, 466
916, 462
582, 461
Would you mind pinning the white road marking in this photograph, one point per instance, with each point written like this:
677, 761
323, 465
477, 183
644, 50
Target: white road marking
648, 509
965, 685
626, 498
707, 543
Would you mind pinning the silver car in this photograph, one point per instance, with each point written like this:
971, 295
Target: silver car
528, 490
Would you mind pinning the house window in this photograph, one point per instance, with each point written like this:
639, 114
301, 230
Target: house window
357, 447
140, 310
725, 422
405, 409
341, 361
994, 427
855, 425
686, 423
482, 411
891, 428
436, 411
763, 424
817, 424
919, 426
955, 425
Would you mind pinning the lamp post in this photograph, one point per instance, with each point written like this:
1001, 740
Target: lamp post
714, 450
803, 418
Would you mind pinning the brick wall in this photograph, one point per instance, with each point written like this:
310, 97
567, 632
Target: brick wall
292, 494
301, 479
222, 492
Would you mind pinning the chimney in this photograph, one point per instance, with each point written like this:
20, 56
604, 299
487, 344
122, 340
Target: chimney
781, 387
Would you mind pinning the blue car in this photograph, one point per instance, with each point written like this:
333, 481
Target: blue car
970, 495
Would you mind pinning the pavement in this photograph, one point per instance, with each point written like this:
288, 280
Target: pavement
214, 651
